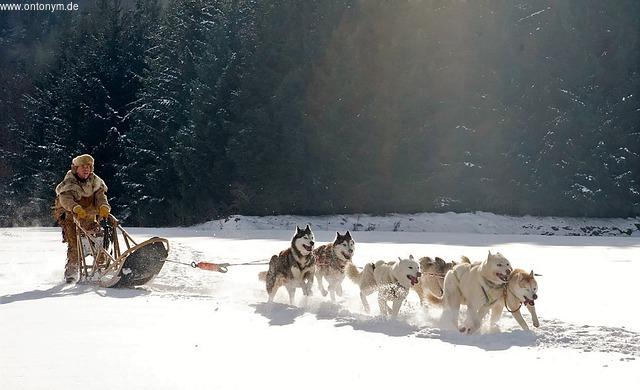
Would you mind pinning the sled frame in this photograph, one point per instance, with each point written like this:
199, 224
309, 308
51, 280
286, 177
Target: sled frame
107, 261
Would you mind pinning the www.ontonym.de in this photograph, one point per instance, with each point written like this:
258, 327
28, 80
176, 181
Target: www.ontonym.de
38, 7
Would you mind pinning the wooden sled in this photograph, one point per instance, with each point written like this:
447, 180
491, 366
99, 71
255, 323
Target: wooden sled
112, 267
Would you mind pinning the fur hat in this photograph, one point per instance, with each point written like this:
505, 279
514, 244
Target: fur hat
83, 159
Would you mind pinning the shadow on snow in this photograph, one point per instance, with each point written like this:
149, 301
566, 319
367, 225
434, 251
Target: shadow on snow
552, 334
64, 290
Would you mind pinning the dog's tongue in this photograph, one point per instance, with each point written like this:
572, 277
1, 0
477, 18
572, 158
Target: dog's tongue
413, 279
529, 302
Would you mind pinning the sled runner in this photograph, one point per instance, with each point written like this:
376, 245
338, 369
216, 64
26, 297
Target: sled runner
110, 266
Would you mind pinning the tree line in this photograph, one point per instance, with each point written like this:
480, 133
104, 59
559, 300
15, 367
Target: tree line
196, 110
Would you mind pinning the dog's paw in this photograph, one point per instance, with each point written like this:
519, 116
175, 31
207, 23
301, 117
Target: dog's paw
466, 330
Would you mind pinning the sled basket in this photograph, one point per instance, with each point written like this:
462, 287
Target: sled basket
111, 267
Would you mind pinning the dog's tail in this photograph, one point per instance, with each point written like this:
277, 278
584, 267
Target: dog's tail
464, 259
353, 273
262, 276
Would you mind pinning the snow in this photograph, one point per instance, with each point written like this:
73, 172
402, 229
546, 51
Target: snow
192, 329
478, 222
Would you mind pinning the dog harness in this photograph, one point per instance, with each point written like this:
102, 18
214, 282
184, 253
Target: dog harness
493, 286
487, 298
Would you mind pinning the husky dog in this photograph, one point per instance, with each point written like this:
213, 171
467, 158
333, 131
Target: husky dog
431, 284
330, 262
391, 279
293, 267
521, 289
478, 285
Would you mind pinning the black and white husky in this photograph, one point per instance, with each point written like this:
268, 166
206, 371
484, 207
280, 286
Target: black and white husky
293, 267
330, 262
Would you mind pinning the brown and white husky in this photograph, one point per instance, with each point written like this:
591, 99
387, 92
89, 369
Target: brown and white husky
330, 262
521, 290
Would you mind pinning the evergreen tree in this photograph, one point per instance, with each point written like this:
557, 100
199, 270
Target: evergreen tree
179, 169
78, 106
270, 141
201, 109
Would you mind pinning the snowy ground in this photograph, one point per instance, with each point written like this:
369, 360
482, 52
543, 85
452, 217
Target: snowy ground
477, 222
193, 329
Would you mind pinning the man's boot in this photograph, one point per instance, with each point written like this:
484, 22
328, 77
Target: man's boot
71, 272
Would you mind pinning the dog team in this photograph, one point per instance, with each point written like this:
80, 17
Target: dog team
490, 285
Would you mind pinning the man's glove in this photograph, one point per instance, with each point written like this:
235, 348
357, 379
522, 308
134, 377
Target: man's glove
104, 211
79, 211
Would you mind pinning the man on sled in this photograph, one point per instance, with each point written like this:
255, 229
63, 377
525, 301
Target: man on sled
81, 194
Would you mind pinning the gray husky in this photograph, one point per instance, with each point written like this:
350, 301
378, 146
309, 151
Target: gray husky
293, 267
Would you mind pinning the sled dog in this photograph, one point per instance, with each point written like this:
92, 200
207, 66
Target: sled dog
431, 285
293, 267
521, 290
330, 262
478, 285
391, 279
